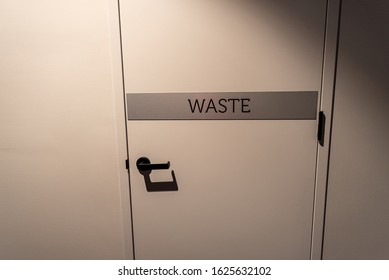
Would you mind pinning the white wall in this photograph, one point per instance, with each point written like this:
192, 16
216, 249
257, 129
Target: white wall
62, 178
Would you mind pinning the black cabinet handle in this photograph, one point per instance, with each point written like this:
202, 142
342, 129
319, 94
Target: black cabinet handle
144, 164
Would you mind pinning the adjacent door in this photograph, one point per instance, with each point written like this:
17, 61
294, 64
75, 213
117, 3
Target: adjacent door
245, 187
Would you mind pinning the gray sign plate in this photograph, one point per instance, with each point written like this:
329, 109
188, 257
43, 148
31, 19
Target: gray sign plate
286, 105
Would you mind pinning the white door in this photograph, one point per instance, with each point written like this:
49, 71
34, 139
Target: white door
245, 187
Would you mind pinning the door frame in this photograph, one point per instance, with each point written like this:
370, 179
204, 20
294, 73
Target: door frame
326, 105
113, 16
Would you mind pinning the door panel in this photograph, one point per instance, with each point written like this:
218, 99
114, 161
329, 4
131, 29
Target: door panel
239, 192
245, 186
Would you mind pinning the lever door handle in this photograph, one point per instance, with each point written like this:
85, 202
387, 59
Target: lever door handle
145, 167
144, 164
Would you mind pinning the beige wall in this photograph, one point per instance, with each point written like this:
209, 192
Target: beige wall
61, 161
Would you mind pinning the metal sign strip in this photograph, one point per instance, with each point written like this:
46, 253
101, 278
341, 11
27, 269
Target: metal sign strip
285, 105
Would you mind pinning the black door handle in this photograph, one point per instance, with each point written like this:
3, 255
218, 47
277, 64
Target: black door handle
144, 164
145, 167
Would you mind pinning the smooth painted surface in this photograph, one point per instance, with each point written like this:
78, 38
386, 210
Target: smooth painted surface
358, 192
61, 191
246, 188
